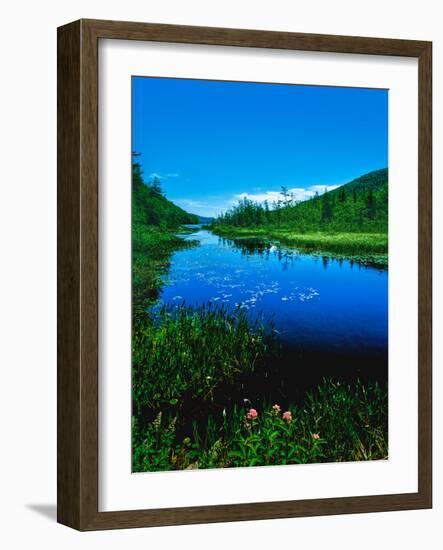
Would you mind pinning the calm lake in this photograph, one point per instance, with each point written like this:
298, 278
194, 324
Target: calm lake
332, 315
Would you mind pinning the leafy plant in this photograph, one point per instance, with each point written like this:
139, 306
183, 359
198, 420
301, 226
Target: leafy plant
336, 423
184, 354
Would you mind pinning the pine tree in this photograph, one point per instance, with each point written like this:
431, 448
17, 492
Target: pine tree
285, 192
267, 216
370, 205
155, 185
137, 173
326, 208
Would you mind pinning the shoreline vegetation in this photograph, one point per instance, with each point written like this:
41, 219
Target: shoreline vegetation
348, 222
364, 248
193, 367
155, 222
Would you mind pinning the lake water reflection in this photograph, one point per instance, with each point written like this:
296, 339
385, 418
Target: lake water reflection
328, 310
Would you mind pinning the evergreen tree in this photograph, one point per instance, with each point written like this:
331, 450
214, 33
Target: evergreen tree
150, 207
137, 174
285, 192
326, 208
370, 205
359, 206
267, 216
155, 185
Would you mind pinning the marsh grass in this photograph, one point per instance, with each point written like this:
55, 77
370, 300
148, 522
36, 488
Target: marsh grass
183, 354
344, 244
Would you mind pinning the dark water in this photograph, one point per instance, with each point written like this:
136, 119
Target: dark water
331, 315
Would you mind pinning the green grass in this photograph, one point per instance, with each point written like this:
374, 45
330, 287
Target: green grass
352, 243
185, 354
337, 422
366, 248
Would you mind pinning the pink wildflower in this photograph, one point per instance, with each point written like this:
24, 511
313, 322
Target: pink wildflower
252, 413
287, 416
315, 436
276, 408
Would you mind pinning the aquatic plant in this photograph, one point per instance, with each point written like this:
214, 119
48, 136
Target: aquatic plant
186, 353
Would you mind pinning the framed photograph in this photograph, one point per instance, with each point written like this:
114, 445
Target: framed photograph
244, 275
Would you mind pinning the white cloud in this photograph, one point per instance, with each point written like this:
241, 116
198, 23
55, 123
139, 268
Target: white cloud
298, 193
269, 196
164, 176
215, 205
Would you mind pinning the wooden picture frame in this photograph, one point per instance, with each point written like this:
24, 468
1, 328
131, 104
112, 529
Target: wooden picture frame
78, 274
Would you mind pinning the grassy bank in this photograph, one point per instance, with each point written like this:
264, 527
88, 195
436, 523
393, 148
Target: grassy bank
191, 368
155, 222
367, 248
152, 248
351, 243
350, 221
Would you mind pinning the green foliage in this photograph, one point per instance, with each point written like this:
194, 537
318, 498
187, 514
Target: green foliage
360, 206
155, 222
186, 353
337, 422
154, 452
151, 208
351, 221
327, 210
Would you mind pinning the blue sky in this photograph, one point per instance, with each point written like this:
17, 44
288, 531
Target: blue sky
212, 142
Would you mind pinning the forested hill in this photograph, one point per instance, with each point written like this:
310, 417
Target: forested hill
205, 219
358, 206
151, 208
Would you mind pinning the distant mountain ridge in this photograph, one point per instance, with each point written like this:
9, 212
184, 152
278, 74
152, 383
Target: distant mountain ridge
205, 219
372, 180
